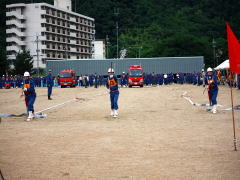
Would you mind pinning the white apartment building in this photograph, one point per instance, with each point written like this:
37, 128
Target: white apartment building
99, 49
56, 31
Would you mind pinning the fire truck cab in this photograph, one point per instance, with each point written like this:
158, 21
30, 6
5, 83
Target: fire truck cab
135, 77
67, 78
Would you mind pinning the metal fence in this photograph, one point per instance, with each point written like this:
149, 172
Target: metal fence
149, 65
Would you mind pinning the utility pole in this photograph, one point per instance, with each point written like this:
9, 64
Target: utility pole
37, 41
214, 53
107, 41
116, 13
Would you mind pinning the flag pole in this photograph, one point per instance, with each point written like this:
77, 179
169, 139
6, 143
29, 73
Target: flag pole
233, 119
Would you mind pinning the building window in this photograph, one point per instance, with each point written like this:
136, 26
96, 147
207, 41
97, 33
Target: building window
43, 61
48, 55
58, 31
77, 57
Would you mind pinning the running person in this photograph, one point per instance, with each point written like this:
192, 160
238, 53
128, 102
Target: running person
112, 85
30, 95
212, 89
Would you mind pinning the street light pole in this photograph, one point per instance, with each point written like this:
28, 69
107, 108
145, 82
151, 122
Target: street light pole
37, 41
214, 53
116, 13
107, 41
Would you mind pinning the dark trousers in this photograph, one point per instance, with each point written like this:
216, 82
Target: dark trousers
213, 97
49, 91
114, 100
29, 102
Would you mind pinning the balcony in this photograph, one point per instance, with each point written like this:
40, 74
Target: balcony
15, 14
15, 31
16, 22
13, 48
16, 40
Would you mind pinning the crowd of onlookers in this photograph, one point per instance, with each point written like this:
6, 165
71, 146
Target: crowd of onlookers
150, 79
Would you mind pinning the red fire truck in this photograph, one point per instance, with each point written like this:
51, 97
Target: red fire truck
67, 78
135, 77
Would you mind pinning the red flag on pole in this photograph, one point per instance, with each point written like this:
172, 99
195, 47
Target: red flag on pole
234, 61
233, 51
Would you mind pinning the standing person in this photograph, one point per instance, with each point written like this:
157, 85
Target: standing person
96, 80
112, 85
49, 80
212, 89
30, 95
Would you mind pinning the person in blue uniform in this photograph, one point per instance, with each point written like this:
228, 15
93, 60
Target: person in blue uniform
30, 95
212, 89
112, 85
49, 80
123, 80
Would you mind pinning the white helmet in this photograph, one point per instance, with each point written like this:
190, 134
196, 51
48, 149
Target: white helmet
26, 74
110, 70
209, 69
123, 72
202, 70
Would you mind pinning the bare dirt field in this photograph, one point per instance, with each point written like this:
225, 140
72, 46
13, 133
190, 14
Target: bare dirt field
158, 135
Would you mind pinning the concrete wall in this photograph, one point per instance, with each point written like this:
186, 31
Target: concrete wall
157, 65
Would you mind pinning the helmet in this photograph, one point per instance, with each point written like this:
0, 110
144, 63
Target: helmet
209, 69
49, 70
202, 70
26, 74
110, 70
123, 72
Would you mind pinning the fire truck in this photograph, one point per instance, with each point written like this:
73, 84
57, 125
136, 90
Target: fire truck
135, 77
67, 78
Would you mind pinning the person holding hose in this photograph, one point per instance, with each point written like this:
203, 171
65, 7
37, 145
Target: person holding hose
112, 85
212, 87
30, 95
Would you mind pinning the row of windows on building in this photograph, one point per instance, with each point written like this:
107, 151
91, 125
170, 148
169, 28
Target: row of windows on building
63, 47
63, 39
68, 25
64, 15
65, 55
67, 32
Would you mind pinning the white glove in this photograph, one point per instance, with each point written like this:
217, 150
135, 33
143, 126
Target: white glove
25, 89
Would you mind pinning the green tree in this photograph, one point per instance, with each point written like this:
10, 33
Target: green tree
23, 62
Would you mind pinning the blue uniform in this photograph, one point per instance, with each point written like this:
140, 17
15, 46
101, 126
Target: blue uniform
49, 80
30, 94
112, 85
212, 88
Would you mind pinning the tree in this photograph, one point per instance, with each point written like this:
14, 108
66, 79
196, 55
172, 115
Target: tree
23, 62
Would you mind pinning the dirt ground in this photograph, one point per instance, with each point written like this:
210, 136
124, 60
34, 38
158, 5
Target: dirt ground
158, 135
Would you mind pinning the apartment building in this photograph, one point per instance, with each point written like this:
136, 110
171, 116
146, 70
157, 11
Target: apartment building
49, 32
